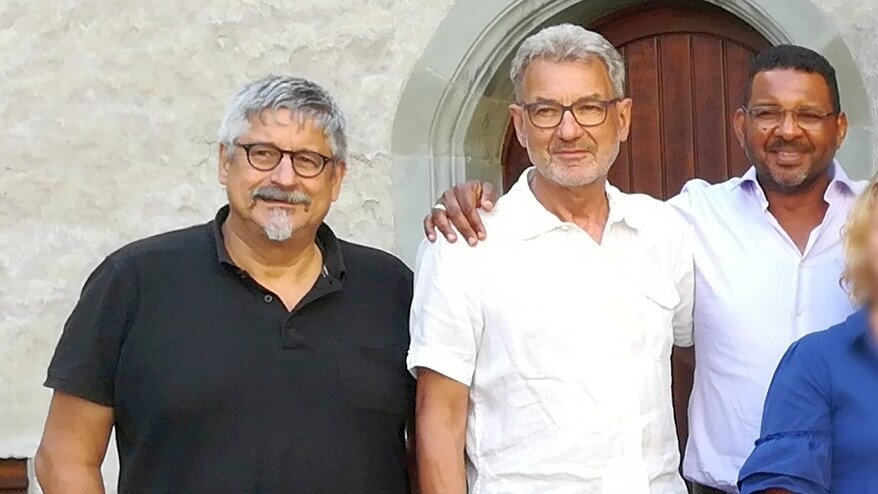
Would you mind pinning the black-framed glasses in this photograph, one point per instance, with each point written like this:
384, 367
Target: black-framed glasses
772, 117
587, 113
266, 157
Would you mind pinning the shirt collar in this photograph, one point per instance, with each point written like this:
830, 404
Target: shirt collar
330, 246
840, 184
533, 219
857, 325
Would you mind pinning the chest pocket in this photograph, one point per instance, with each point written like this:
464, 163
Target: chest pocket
657, 305
375, 378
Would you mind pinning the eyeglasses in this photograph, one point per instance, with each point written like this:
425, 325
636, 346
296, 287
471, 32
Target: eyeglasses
770, 118
548, 114
265, 157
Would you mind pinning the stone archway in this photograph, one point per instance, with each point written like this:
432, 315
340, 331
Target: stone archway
451, 118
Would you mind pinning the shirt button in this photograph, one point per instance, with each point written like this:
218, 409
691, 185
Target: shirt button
268, 299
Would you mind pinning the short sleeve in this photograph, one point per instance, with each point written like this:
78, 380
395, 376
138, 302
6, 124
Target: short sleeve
85, 360
445, 320
795, 448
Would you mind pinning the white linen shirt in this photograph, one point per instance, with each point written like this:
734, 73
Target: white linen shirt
564, 344
755, 295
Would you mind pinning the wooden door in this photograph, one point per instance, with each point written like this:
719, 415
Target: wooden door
13, 476
687, 65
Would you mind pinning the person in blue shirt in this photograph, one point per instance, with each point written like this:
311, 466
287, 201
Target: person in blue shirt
820, 422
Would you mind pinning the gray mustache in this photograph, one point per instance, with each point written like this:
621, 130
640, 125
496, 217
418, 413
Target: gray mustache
276, 194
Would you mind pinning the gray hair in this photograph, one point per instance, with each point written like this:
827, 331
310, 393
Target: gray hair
568, 43
301, 97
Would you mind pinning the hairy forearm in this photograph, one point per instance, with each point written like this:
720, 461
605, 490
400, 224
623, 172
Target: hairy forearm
60, 478
440, 458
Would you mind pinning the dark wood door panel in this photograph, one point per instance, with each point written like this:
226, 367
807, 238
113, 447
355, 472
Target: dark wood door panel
13, 476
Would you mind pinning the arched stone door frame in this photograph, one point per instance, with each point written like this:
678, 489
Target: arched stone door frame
448, 124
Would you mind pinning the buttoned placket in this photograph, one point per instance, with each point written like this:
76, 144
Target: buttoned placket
291, 338
630, 476
802, 287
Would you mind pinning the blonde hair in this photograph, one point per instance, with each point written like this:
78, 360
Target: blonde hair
857, 277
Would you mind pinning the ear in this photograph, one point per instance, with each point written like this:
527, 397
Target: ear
739, 120
339, 169
841, 123
517, 114
225, 161
624, 110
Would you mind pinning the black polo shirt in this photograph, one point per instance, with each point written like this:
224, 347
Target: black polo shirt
217, 388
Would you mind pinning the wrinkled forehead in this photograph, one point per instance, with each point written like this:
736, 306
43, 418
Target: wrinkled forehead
281, 124
789, 87
284, 118
566, 81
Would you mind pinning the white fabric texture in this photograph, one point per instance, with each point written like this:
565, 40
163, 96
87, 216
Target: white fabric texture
755, 295
564, 343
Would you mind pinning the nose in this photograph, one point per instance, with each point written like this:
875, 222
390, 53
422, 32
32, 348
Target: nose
789, 128
569, 129
283, 174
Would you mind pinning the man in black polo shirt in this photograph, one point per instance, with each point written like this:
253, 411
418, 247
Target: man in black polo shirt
256, 353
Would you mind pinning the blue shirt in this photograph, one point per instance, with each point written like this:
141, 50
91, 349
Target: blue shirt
820, 424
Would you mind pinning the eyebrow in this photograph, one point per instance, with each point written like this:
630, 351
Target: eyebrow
807, 106
584, 99
263, 143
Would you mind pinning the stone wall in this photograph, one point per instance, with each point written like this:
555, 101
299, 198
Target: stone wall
854, 20
109, 116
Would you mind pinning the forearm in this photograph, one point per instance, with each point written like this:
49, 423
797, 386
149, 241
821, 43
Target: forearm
55, 478
441, 467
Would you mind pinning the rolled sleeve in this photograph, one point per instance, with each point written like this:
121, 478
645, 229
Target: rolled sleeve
797, 462
795, 448
445, 321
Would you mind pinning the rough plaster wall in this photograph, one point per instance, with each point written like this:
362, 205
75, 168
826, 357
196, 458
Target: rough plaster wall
109, 113
855, 21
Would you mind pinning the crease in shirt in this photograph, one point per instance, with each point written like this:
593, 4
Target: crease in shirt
810, 433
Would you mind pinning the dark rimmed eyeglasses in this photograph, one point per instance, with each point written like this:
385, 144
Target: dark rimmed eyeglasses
587, 113
772, 117
265, 157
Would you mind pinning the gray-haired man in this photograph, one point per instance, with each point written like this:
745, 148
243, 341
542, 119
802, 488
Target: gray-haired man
544, 352
254, 353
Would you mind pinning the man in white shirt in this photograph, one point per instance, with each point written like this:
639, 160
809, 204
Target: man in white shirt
767, 250
543, 354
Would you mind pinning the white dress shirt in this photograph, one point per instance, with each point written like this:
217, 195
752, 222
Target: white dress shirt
755, 295
564, 344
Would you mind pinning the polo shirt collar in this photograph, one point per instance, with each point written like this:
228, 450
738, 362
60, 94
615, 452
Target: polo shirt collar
330, 246
840, 184
533, 219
